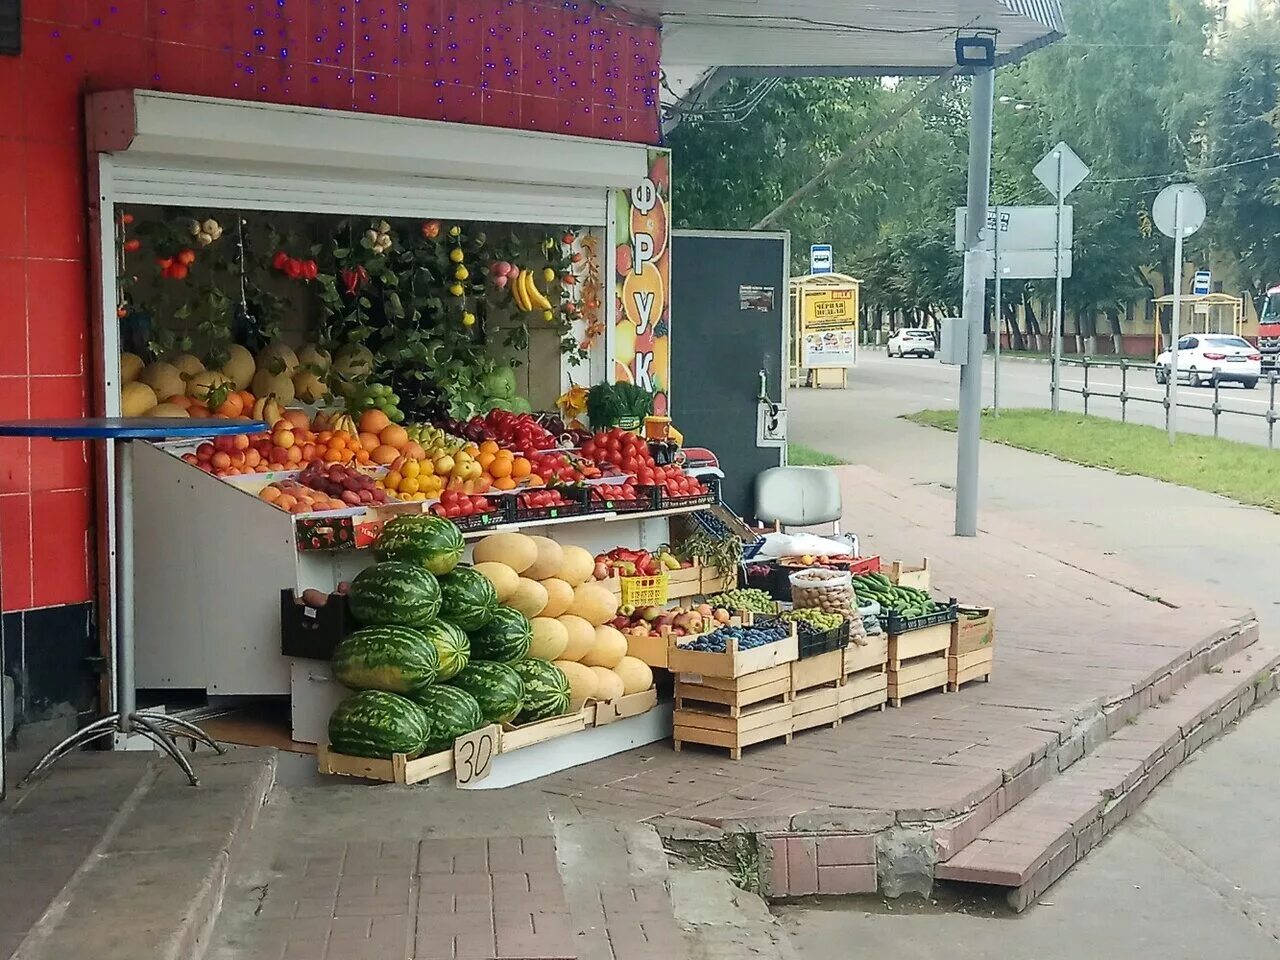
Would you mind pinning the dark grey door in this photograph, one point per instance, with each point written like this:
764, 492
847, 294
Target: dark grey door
729, 308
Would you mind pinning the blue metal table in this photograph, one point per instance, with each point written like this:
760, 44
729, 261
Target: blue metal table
119, 433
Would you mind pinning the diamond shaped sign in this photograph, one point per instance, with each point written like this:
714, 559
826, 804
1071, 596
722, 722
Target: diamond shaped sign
1073, 170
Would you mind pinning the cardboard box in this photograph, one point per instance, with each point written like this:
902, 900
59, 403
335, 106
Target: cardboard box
974, 629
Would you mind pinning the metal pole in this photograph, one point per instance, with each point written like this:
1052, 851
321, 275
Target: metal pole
1177, 313
999, 324
126, 694
1056, 374
975, 293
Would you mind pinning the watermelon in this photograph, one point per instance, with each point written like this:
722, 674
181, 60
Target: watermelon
451, 713
497, 688
452, 646
373, 723
398, 594
394, 659
467, 598
546, 690
504, 639
423, 539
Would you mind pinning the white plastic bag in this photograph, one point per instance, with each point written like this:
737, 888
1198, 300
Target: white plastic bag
805, 544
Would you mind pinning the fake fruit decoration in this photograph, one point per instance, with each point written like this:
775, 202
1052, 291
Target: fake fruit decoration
497, 689
451, 713
294, 268
205, 232
546, 691
467, 598
430, 543
377, 238
504, 639
377, 724
396, 659
393, 593
176, 267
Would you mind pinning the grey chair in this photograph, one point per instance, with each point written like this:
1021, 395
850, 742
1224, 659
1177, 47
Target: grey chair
798, 497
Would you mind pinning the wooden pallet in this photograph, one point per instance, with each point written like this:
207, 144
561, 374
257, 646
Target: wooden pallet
868, 690
753, 725
731, 695
919, 675
824, 670
918, 643
819, 707
874, 654
975, 665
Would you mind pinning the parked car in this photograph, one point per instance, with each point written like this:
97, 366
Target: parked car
912, 343
1203, 358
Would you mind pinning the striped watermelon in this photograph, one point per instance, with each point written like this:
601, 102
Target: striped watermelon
394, 659
546, 690
451, 713
467, 598
422, 539
452, 645
504, 639
395, 594
497, 688
373, 723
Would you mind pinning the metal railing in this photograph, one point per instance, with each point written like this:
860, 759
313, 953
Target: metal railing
1271, 415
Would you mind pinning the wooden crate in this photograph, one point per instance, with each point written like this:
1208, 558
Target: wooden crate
714, 580
685, 582
909, 575
652, 650
917, 676
815, 708
974, 629
826, 669
874, 654
601, 714
974, 665
868, 690
513, 738
731, 694
732, 663
754, 725
918, 643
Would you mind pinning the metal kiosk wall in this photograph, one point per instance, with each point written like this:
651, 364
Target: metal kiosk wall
824, 329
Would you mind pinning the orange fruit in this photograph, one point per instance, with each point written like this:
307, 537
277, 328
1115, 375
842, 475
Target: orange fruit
489, 446
394, 436
383, 454
324, 436
501, 469
363, 456
485, 459
536, 481
374, 421
332, 456
270, 494
504, 483
369, 440
521, 468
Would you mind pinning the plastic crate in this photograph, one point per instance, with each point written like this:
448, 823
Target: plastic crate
313, 633
893, 623
814, 642
645, 591
576, 507
663, 502
604, 504
479, 521
767, 576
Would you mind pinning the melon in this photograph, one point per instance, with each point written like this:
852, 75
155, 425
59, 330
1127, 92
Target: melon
136, 399
608, 684
530, 597
577, 566
559, 597
309, 388
353, 362
582, 682
636, 675
594, 603
130, 367
267, 384
312, 356
504, 579
547, 563
202, 385
277, 358
240, 366
550, 639
164, 379
608, 650
514, 549
188, 365
582, 637
168, 410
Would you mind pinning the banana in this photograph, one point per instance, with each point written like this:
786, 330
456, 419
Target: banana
536, 296
518, 293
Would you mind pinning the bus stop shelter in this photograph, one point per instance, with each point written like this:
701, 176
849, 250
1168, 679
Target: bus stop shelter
824, 328
1210, 313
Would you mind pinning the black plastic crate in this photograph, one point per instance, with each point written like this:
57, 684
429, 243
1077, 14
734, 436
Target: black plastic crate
767, 576
313, 632
815, 642
480, 521
663, 502
577, 506
606, 504
893, 623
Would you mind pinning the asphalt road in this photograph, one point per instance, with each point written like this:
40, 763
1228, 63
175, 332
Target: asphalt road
1026, 384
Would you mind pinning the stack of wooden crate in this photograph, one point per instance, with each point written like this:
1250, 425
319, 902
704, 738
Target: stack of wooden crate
815, 691
918, 661
866, 684
973, 646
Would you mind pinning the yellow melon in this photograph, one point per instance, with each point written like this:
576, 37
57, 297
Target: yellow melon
550, 639
164, 379
188, 365
136, 399
547, 564
504, 579
530, 597
130, 367
513, 549
636, 675
582, 637
169, 410
308, 387
202, 385
559, 597
582, 682
267, 384
277, 359
312, 356
608, 650
240, 366
577, 566
594, 603
609, 685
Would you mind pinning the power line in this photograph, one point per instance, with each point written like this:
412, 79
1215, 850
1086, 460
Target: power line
1199, 173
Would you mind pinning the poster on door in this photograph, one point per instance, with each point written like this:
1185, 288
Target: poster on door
642, 331
830, 328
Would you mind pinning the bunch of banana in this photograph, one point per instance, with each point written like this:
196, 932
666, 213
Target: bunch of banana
526, 293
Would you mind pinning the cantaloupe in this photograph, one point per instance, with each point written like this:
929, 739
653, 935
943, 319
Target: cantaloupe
577, 566
352, 363
308, 387
240, 366
188, 365
594, 603
169, 410
136, 399
267, 384
550, 639
202, 385
312, 356
547, 564
513, 549
636, 675
559, 597
278, 359
163, 379
582, 637
504, 579
582, 682
530, 597
609, 685
608, 650
130, 367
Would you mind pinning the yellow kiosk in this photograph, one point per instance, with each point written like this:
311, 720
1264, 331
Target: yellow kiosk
824, 329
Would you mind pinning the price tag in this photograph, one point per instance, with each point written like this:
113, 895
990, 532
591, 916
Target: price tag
473, 754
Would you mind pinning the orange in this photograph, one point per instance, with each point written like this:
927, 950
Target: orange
369, 441
536, 481
504, 483
521, 468
485, 459
332, 456
501, 469
394, 436
363, 456
324, 436
383, 454
489, 446
374, 421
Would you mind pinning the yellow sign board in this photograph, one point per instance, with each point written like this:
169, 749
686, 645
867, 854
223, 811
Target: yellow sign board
829, 331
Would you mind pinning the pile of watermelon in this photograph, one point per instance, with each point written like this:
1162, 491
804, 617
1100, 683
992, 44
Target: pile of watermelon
436, 656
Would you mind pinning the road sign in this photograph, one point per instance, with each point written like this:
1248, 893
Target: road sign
1021, 228
1074, 170
821, 258
1029, 264
1202, 283
1193, 210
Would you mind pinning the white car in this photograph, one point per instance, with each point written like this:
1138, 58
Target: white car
912, 343
1205, 357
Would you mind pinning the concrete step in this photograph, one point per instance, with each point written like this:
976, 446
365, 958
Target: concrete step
1035, 842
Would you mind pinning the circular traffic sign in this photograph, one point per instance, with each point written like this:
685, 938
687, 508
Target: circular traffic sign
1164, 210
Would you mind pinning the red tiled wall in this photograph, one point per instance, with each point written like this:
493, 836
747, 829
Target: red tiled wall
564, 67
